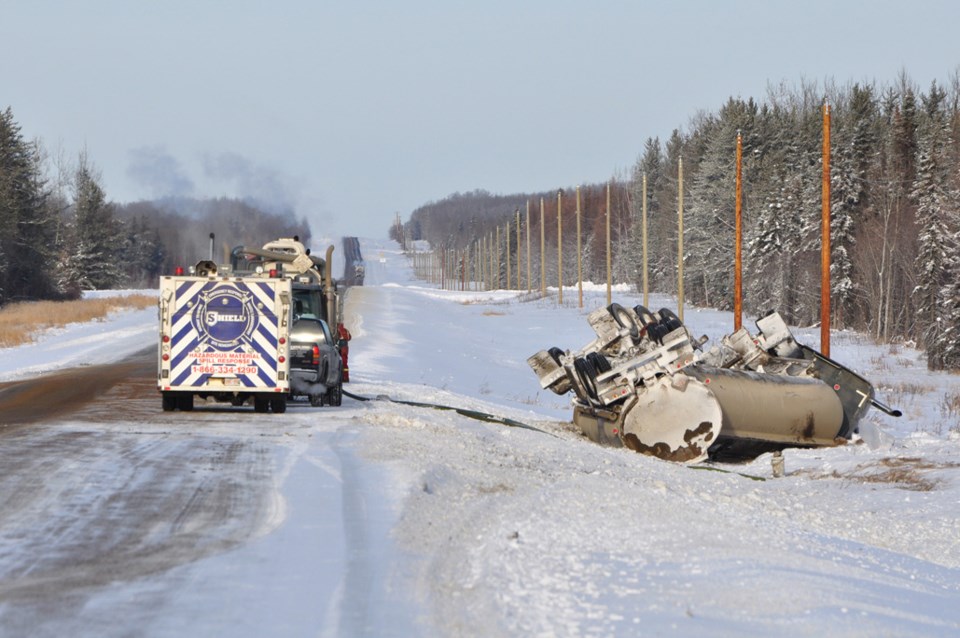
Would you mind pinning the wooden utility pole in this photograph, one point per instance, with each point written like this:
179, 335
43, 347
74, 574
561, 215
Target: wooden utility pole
609, 282
579, 257
481, 268
529, 279
478, 265
738, 242
680, 240
646, 287
496, 250
507, 236
486, 262
559, 248
825, 239
518, 249
543, 259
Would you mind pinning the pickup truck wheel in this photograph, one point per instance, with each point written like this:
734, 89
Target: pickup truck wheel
279, 404
335, 394
169, 402
261, 404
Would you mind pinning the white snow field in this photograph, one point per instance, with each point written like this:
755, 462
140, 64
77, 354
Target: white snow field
388, 519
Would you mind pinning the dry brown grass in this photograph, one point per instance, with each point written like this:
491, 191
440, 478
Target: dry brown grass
904, 472
19, 322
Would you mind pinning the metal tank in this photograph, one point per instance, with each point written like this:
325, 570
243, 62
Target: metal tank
645, 383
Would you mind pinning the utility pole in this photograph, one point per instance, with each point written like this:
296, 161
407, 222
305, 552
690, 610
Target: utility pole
529, 279
518, 249
543, 259
579, 257
560, 247
825, 239
507, 236
609, 276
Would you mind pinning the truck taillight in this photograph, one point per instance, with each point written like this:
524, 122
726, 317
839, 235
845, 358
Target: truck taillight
165, 357
166, 338
283, 340
178, 271
273, 273
316, 355
282, 358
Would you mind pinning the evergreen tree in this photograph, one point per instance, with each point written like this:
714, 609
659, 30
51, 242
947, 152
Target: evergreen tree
930, 191
96, 244
28, 223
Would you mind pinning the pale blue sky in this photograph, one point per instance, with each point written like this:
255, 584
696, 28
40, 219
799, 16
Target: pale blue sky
353, 111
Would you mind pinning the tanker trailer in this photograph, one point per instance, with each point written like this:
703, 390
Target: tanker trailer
646, 383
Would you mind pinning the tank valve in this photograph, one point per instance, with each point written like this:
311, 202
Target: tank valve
777, 462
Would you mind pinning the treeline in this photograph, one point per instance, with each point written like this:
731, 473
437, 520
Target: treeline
176, 231
895, 206
59, 235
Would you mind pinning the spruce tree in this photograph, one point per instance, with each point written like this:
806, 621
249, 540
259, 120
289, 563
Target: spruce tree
96, 245
930, 192
27, 222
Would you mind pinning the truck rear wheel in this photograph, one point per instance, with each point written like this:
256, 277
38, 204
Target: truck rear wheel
169, 402
335, 394
185, 402
279, 404
261, 404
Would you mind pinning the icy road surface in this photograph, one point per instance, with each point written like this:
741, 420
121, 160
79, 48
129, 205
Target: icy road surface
382, 519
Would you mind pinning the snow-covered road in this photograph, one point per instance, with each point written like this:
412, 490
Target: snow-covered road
120, 519
377, 518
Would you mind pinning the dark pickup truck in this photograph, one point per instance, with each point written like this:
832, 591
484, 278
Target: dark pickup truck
316, 369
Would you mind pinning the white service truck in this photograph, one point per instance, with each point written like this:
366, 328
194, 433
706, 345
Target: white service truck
226, 337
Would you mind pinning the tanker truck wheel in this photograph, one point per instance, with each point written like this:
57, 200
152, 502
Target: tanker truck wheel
587, 374
625, 319
600, 363
646, 317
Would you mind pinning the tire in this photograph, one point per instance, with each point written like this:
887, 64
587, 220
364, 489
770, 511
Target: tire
185, 402
670, 319
643, 313
279, 404
625, 320
316, 400
588, 376
169, 402
261, 404
600, 362
335, 394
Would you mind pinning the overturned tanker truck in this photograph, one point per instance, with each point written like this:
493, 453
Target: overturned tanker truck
646, 383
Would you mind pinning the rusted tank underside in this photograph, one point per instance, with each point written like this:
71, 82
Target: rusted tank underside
645, 383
